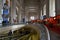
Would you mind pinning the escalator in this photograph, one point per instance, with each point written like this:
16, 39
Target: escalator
25, 32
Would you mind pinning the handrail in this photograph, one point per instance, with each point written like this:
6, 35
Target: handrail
44, 32
47, 33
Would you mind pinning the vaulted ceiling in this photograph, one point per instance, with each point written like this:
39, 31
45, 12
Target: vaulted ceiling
32, 7
32, 4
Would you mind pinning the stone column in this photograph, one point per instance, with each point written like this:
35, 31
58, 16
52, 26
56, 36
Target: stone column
47, 8
13, 10
21, 11
1, 6
57, 7
19, 15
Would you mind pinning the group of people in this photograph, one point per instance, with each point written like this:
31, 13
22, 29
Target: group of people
5, 23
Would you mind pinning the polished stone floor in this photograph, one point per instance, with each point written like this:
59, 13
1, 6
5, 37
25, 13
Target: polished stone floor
54, 36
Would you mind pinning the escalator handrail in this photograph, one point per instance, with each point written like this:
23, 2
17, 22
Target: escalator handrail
47, 33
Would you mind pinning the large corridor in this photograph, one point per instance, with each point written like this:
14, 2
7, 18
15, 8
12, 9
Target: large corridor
29, 19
